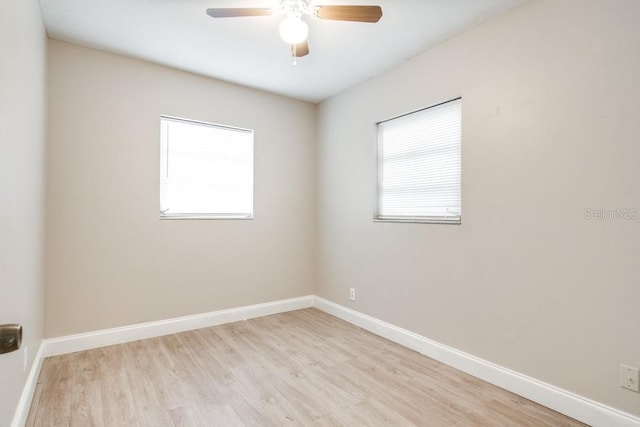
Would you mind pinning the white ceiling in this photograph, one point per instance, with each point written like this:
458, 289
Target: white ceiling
249, 51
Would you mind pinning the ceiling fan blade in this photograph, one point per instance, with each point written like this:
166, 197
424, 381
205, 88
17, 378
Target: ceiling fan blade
233, 12
349, 13
299, 50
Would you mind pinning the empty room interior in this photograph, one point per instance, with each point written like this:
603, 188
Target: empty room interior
282, 212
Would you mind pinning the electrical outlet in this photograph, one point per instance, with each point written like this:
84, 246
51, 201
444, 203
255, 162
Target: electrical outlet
352, 294
629, 378
26, 359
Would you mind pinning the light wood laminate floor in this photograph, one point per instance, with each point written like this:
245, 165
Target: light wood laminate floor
299, 368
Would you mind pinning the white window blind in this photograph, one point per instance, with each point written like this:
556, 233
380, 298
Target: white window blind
419, 165
206, 170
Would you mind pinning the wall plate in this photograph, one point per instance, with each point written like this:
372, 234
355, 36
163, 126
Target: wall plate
629, 378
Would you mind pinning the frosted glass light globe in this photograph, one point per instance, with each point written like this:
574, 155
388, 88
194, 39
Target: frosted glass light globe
293, 30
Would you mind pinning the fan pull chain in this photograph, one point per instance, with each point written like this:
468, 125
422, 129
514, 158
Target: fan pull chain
294, 53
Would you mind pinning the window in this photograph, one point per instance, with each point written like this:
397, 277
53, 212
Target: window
419, 166
206, 170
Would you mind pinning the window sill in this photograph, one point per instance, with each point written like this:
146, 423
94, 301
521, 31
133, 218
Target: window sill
446, 221
205, 217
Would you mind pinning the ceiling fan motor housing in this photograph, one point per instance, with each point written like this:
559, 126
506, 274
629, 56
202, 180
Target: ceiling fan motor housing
294, 8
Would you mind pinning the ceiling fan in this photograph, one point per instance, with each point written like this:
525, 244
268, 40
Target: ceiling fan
293, 29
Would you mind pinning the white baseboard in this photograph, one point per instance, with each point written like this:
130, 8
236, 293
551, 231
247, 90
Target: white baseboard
105, 337
22, 411
565, 402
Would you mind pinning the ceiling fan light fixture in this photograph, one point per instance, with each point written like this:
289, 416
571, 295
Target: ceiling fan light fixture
293, 30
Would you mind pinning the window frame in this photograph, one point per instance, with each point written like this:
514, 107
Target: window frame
453, 220
205, 216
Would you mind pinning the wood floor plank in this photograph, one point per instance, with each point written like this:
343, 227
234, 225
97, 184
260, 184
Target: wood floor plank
223, 416
117, 399
35, 403
56, 377
86, 404
298, 368
145, 385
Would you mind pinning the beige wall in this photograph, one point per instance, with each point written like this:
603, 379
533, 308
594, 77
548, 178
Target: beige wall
551, 97
22, 150
110, 260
